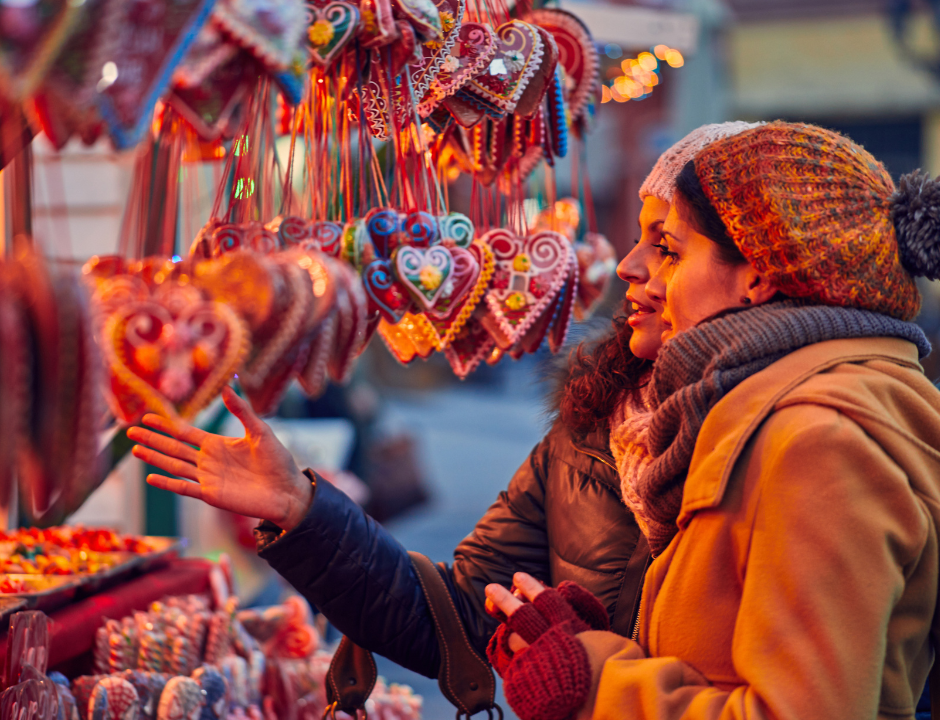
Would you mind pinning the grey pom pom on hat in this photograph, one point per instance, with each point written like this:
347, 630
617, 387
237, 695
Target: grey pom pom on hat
916, 214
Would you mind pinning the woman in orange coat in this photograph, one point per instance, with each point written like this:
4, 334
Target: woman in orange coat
790, 488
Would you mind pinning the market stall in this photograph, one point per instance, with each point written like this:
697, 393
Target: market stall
331, 133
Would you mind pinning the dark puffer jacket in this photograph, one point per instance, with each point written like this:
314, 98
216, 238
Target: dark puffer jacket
561, 518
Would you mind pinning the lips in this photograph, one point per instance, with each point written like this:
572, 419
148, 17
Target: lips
639, 308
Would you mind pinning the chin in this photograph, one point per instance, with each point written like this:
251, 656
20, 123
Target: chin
644, 346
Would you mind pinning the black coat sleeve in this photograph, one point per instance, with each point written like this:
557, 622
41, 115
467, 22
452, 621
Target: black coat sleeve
351, 569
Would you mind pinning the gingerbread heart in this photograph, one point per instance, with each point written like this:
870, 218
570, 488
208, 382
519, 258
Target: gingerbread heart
447, 326
531, 98
294, 230
577, 54
424, 272
152, 37
352, 318
424, 16
432, 54
278, 344
465, 112
397, 341
386, 295
384, 228
378, 23
421, 229
468, 264
456, 227
313, 377
562, 321
15, 361
471, 53
247, 236
270, 30
409, 339
332, 26
597, 262
518, 57
529, 273
171, 364
328, 237
469, 348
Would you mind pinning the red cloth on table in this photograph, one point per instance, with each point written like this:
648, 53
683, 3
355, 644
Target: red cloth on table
72, 631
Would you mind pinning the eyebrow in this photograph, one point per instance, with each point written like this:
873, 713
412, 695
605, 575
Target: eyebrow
670, 235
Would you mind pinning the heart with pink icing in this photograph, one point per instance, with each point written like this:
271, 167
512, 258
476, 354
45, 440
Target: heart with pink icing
475, 47
473, 268
518, 57
424, 272
529, 273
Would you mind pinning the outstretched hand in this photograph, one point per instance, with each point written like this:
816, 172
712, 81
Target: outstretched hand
254, 475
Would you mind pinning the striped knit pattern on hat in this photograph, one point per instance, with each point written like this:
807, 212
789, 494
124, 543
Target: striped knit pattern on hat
699, 367
661, 182
811, 211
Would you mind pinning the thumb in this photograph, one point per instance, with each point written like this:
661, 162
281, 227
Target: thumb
242, 410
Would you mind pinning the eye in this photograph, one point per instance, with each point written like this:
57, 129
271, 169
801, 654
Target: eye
665, 252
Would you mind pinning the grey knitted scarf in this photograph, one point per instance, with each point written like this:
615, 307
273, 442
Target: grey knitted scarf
697, 368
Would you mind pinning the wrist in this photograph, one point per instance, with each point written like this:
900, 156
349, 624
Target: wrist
299, 500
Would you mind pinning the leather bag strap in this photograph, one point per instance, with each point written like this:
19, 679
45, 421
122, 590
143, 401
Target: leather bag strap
465, 678
350, 679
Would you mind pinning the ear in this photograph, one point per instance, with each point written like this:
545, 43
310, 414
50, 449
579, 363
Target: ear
759, 288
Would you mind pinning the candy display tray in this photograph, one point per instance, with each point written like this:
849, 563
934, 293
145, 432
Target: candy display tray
54, 591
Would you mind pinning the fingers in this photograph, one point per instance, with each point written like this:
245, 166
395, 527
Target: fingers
177, 428
166, 445
242, 410
175, 485
529, 586
516, 643
170, 464
503, 599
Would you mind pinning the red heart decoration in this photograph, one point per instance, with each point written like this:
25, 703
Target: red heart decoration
531, 98
352, 321
476, 279
518, 57
577, 54
474, 48
468, 349
280, 343
386, 295
171, 363
559, 332
378, 23
529, 273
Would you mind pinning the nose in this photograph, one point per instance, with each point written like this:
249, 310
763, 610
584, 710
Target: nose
656, 286
632, 269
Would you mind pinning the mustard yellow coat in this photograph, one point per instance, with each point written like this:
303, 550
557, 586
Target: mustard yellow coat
803, 581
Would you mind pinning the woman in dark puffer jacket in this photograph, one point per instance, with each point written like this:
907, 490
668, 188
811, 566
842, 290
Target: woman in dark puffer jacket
352, 570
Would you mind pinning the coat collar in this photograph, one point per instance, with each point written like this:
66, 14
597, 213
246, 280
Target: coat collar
738, 415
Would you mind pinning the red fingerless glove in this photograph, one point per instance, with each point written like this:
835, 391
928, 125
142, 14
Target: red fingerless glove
570, 605
586, 606
550, 679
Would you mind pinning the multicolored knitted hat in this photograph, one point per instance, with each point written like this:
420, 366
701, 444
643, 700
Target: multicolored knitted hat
661, 182
819, 216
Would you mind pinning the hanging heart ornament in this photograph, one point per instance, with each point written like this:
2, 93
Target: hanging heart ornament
518, 56
331, 28
529, 273
425, 273
171, 363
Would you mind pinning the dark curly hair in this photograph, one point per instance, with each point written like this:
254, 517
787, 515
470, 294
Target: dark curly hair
598, 378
